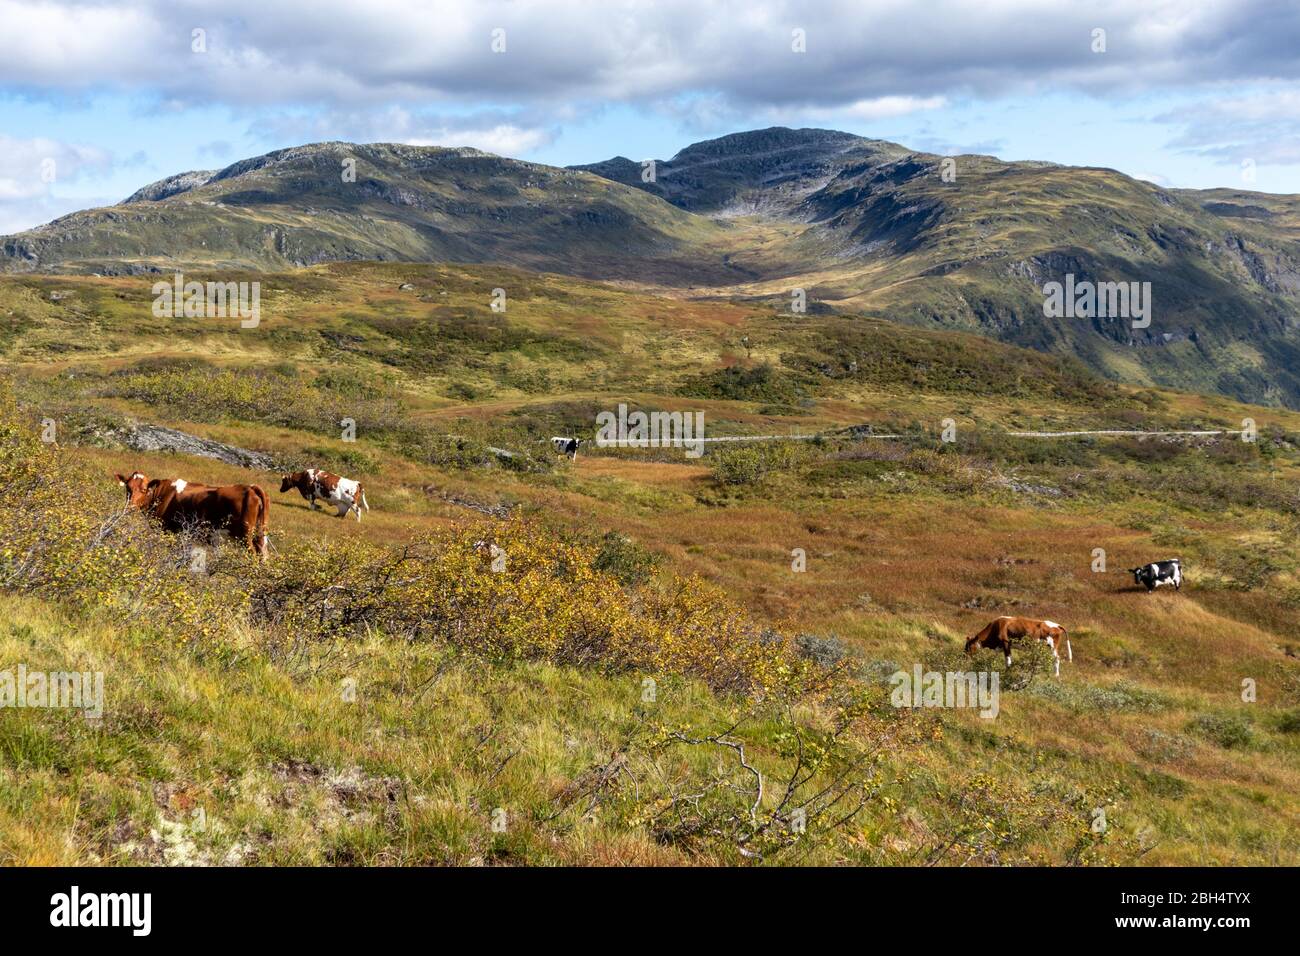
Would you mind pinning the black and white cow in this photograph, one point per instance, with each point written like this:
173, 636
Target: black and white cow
567, 446
1154, 575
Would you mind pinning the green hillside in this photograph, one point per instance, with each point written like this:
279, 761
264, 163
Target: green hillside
874, 228
329, 708
341, 202
861, 226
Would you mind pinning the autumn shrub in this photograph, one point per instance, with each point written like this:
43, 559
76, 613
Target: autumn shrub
750, 463
1227, 730
55, 546
762, 383
513, 590
278, 395
626, 560
826, 650
510, 590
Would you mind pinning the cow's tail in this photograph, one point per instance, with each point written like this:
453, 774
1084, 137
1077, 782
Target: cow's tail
363, 497
1069, 651
262, 513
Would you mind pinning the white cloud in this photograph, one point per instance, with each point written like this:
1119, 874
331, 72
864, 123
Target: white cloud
30, 167
503, 139
20, 214
1262, 126
885, 107
864, 56
508, 133
30, 173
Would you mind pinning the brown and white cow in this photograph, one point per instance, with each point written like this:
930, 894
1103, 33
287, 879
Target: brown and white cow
344, 494
1006, 630
240, 510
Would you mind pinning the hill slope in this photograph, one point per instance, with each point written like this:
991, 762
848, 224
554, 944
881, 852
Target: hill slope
885, 231
911, 545
297, 206
862, 226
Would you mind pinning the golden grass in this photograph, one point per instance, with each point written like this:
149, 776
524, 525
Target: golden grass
892, 569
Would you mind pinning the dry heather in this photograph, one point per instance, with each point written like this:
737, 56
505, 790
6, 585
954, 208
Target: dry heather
503, 591
367, 703
378, 691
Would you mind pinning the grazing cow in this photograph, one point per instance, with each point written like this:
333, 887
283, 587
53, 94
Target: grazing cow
567, 446
1005, 630
1152, 576
343, 493
240, 510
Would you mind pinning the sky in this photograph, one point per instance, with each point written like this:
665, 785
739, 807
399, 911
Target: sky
100, 97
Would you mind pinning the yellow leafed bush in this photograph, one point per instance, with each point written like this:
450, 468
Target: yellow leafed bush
514, 590
511, 589
55, 542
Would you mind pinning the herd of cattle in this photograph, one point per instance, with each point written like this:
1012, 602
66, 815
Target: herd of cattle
242, 512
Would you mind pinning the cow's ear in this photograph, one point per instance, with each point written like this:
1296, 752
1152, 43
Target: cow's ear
120, 479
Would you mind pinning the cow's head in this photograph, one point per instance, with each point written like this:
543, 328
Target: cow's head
297, 479
137, 488
1054, 631
1137, 573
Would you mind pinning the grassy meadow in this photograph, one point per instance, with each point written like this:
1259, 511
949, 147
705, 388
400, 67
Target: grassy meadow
650, 652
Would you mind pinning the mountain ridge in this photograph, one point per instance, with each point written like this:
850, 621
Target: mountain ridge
863, 226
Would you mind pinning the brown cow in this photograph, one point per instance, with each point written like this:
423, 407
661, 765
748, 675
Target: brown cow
1002, 632
344, 494
240, 510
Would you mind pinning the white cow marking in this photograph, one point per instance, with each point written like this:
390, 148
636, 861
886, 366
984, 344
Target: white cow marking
345, 497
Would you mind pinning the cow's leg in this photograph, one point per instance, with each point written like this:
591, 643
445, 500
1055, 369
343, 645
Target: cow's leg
1056, 657
245, 529
356, 507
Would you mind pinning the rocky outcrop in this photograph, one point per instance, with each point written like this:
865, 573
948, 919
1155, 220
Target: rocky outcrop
152, 438
171, 186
